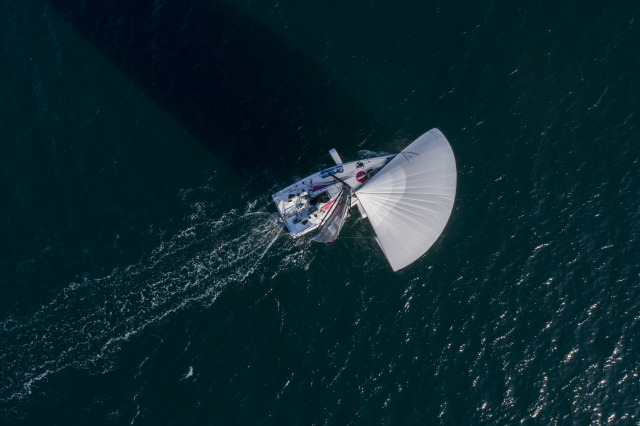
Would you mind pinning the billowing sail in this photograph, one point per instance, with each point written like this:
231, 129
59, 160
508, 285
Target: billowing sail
410, 200
330, 228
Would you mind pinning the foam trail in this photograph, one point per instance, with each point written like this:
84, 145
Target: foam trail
87, 322
365, 153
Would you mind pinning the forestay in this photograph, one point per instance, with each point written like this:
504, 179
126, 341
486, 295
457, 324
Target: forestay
410, 200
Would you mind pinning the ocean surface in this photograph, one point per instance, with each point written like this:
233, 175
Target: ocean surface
145, 280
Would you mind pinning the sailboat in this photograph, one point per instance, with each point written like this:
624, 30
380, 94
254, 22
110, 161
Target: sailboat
407, 198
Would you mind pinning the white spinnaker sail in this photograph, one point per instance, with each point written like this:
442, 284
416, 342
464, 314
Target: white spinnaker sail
410, 200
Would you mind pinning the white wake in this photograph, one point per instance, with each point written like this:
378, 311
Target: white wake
87, 322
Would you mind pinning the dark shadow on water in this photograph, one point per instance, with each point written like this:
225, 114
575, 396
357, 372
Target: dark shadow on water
252, 98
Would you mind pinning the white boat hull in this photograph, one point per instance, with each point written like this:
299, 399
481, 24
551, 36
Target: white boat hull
305, 204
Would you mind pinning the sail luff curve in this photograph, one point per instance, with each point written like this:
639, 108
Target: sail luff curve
409, 201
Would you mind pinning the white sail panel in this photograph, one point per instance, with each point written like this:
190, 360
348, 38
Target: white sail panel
410, 200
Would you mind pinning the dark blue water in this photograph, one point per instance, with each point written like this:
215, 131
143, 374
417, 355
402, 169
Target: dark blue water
144, 280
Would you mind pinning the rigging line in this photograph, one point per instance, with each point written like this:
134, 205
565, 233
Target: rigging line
404, 154
343, 182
